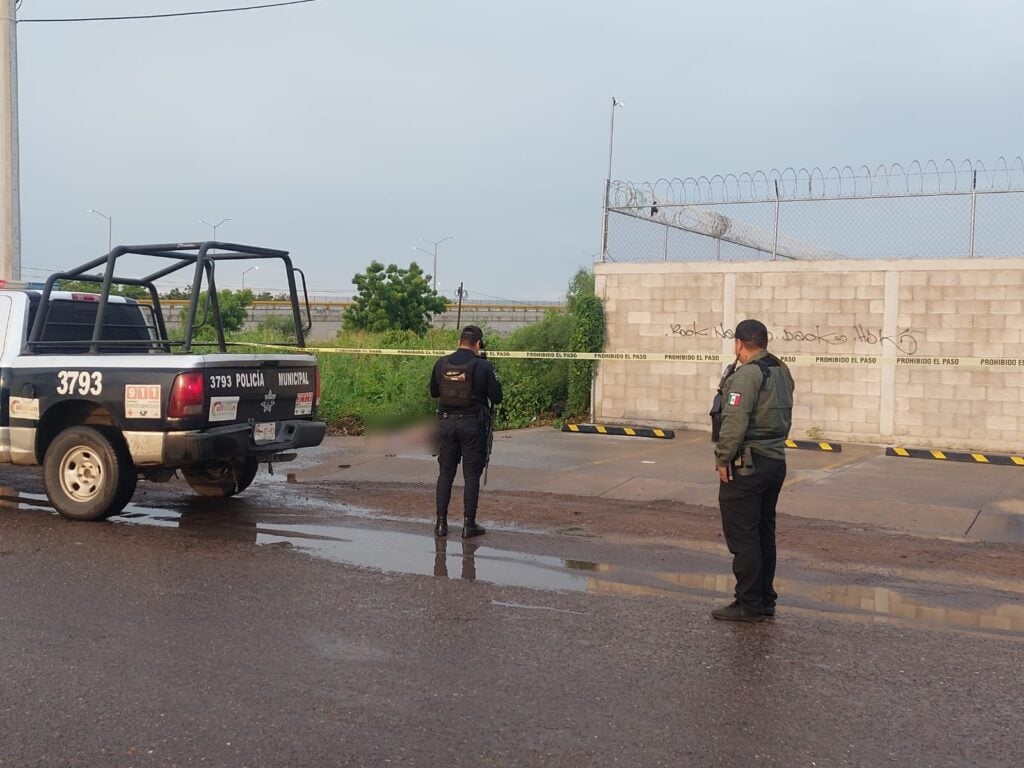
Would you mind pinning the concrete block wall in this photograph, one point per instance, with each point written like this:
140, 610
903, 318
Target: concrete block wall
884, 315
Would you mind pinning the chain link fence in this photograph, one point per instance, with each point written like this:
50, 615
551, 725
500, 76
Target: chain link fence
929, 211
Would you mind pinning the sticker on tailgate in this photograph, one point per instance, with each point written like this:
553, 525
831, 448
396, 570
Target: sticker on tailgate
304, 404
264, 432
223, 408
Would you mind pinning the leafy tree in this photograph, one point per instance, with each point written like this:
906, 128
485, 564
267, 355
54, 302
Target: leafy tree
582, 284
392, 298
233, 311
587, 336
178, 294
527, 379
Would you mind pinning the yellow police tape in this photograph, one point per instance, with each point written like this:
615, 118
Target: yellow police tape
949, 363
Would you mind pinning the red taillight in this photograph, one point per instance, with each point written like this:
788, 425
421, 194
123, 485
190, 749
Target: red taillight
187, 396
84, 297
316, 391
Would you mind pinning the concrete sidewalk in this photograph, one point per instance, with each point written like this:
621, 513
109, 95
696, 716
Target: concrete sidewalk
858, 485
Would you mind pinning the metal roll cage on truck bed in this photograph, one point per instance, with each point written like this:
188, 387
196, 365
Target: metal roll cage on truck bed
94, 389
182, 255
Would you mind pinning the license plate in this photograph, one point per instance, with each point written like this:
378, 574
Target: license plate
265, 432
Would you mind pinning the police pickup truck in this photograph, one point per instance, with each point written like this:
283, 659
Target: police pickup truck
95, 390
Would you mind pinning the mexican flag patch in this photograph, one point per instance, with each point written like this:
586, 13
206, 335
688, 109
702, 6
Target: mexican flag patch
734, 398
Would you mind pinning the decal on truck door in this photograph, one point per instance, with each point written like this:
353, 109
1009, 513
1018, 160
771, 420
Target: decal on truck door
24, 408
142, 401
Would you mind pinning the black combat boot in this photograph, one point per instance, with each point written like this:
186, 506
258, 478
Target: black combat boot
470, 528
737, 611
441, 526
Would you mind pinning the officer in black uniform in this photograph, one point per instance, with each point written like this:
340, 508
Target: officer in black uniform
466, 389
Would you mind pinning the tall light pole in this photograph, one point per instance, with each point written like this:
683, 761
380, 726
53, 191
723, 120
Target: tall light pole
608, 181
214, 226
250, 269
110, 228
434, 254
10, 195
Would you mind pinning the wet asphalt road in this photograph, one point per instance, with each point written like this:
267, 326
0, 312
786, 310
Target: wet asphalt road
234, 633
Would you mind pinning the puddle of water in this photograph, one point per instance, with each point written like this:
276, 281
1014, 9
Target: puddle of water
853, 603
407, 553
411, 553
389, 551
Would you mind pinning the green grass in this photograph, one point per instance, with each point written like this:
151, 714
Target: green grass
370, 392
378, 391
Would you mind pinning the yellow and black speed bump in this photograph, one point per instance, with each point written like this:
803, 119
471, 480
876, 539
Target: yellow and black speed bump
973, 458
814, 445
607, 429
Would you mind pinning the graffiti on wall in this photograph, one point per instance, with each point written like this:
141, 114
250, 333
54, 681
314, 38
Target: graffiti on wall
903, 341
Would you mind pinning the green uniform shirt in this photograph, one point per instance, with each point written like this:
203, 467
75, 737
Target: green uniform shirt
756, 412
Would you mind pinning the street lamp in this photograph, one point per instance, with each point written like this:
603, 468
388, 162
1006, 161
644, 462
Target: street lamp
608, 180
214, 226
250, 269
434, 254
110, 229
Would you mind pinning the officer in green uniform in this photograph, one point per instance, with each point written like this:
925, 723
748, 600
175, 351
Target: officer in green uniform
751, 419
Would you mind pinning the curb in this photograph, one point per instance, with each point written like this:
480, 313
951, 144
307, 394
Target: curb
812, 445
974, 458
605, 429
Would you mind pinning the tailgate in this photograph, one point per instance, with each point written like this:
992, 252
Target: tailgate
262, 390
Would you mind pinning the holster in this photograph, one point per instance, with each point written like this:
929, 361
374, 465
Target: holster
744, 464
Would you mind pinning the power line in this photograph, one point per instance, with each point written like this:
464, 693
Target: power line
168, 15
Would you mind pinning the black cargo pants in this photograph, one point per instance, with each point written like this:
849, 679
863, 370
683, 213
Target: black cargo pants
748, 521
461, 437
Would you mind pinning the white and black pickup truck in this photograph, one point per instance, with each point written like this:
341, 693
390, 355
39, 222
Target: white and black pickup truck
93, 389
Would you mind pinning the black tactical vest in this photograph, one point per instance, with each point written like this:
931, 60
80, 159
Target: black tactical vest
456, 385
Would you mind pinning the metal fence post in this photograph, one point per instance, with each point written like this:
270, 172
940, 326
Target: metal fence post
775, 239
604, 225
974, 212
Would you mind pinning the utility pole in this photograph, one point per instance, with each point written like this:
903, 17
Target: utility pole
10, 205
458, 317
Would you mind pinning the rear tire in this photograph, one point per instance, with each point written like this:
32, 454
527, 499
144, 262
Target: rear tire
88, 473
222, 479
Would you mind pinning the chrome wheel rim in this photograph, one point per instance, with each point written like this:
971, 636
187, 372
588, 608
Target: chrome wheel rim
81, 474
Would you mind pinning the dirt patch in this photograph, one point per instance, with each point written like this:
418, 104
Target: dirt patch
816, 542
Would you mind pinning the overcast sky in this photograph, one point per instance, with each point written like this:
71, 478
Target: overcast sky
346, 131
